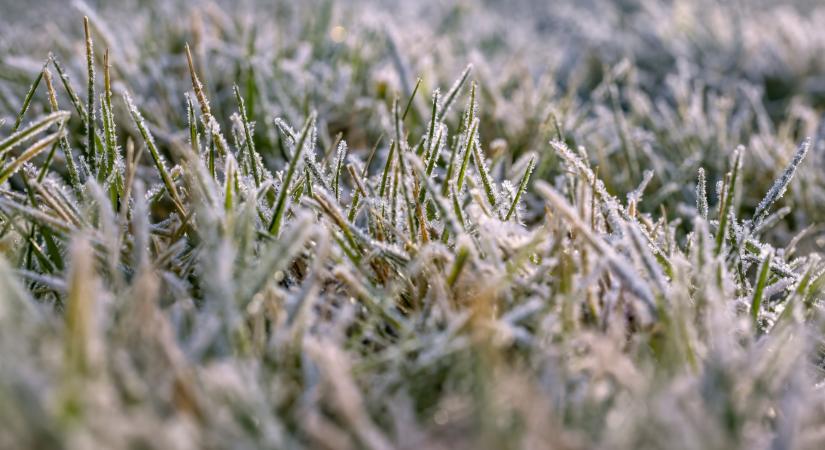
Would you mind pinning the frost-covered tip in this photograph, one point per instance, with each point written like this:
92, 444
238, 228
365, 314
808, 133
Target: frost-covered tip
781, 184
701, 194
90, 123
140, 122
636, 194
285, 129
340, 160
573, 160
453, 92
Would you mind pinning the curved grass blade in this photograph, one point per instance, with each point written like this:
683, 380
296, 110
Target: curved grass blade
28, 154
27, 133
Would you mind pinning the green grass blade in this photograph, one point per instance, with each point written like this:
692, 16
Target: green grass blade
280, 203
486, 182
468, 150
412, 97
453, 92
91, 154
761, 282
386, 173
194, 133
339, 168
431, 130
73, 97
27, 100
74, 177
250, 144
522, 186
160, 164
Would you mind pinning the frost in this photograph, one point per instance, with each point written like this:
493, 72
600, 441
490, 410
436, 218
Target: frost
702, 195
268, 294
781, 184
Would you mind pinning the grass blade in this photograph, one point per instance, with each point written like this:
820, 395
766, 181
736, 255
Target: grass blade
32, 130
779, 186
28, 154
28, 99
250, 144
761, 282
453, 92
280, 203
91, 154
160, 164
522, 186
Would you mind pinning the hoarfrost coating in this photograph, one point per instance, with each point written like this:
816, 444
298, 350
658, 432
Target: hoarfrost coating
372, 224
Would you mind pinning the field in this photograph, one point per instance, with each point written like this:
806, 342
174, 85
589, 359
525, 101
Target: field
421, 225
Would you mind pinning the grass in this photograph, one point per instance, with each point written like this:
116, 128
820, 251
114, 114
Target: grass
255, 231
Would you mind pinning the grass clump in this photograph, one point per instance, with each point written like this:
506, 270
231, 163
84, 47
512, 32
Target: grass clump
546, 268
